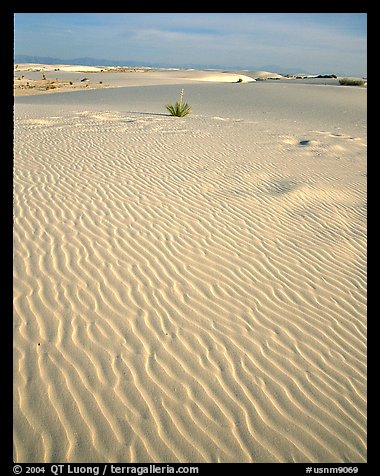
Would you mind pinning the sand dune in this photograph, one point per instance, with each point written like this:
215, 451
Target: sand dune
188, 290
31, 79
55, 67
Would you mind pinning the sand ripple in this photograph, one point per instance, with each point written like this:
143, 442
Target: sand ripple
187, 290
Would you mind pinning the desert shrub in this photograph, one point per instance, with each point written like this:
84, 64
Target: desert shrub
351, 82
239, 80
180, 109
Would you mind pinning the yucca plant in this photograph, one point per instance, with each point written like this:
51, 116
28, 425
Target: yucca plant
180, 108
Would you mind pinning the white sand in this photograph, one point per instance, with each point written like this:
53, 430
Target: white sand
190, 289
64, 78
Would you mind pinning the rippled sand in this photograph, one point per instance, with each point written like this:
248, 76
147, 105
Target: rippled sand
189, 290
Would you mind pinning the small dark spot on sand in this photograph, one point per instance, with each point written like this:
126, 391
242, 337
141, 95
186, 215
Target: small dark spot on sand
304, 142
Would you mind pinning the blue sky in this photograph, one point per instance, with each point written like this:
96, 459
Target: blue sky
314, 42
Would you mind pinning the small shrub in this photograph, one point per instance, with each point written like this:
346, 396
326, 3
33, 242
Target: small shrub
239, 80
351, 82
180, 109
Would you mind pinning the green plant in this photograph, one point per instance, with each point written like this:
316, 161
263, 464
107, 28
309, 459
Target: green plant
351, 82
239, 80
180, 109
